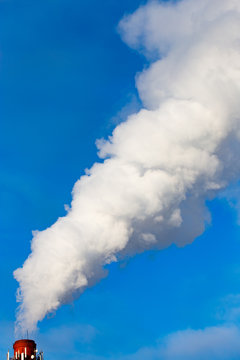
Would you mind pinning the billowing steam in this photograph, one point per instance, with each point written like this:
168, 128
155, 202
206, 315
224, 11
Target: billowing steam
160, 165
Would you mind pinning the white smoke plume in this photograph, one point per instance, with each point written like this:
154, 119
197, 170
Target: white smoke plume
160, 165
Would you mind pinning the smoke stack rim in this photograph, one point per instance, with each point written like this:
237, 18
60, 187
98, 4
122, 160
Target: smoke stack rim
25, 346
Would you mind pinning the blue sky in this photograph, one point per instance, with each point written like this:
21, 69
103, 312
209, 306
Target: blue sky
67, 79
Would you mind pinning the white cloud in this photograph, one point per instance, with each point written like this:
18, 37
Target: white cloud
208, 344
232, 195
211, 343
162, 163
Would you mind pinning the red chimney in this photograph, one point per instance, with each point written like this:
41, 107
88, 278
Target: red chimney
24, 349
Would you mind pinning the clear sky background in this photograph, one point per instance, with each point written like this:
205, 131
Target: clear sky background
66, 79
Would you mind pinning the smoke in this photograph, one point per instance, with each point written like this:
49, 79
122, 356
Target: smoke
160, 165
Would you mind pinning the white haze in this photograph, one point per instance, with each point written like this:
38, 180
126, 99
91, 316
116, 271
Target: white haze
160, 165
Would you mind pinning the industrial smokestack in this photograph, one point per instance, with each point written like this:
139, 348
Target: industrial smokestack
25, 347
160, 165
